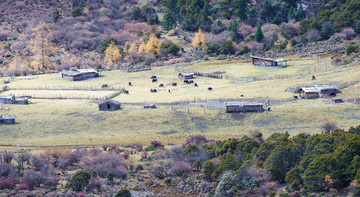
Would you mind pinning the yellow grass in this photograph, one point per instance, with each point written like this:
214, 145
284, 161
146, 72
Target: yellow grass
78, 122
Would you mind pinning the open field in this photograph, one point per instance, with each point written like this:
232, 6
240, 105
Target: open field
185, 111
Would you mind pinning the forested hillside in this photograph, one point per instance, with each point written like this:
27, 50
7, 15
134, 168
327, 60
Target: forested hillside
40, 36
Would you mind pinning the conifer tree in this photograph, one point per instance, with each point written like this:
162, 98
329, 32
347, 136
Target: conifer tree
276, 20
259, 36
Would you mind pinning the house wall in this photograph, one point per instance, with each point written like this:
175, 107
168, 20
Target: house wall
105, 107
304, 94
328, 92
7, 101
252, 108
232, 109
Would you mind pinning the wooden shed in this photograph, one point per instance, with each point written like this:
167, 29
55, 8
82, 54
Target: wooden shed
5, 99
186, 75
309, 92
79, 74
327, 90
236, 107
109, 105
259, 61
318, 91
8, 119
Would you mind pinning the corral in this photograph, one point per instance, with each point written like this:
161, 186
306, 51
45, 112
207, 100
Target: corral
79, 74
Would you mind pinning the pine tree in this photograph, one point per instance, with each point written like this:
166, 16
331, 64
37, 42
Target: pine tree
259, 36
169, 21
207, 169
56, 15
199, 40
252, 19
300, 15
241, 9
276, 20
234, 28
291, 14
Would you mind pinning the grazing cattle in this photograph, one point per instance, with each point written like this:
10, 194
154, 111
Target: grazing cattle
126, 91
242, 95
161, 85
153, 77
130, 84
295, 97
191, 81
268, 109
169, 91
186, 81
313, 77
196, 85
154, 80
210, 88
104, 86
174, 84
153, 90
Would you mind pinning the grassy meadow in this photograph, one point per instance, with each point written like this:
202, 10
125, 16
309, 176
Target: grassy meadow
183, 111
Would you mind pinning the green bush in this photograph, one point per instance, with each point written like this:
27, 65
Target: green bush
77, 11
272, 194
105, 43
168, 181
123, 193
80, 180
207, 170
350, 48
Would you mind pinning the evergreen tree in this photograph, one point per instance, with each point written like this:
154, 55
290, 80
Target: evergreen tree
234, 28
276, 20
241, 9
208, 168
259, 36
252, 19
169, 21
291, 14
267, 13
56, 15
80, 180
300, 14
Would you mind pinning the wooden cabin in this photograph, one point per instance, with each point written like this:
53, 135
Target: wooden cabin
5, 99
10, 99
8, 119
327, 90
186, 75
236, 107
79, 74
109, 105
318, 91
259, 61
308, 93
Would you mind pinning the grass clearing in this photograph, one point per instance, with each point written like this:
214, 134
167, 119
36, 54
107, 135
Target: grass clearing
47, 122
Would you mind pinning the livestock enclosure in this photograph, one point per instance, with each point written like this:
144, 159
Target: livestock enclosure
74, 119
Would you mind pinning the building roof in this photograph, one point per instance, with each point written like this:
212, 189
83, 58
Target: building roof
6, 97
186, 73
79, 71
238, 103
269, 59
281, 60
326, 87
310, 89
7, 117
110, 102
318, 88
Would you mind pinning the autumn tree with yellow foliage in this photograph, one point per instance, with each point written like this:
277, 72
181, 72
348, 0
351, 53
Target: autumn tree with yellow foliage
199, 40
152, 46
112, 54
41, 48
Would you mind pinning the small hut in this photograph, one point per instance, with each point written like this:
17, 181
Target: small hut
327, 90
79, 74
308, 93
5, 99
236, 107
109, 105
318, 91
337, 100
8, 119
186, 75
259, 61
